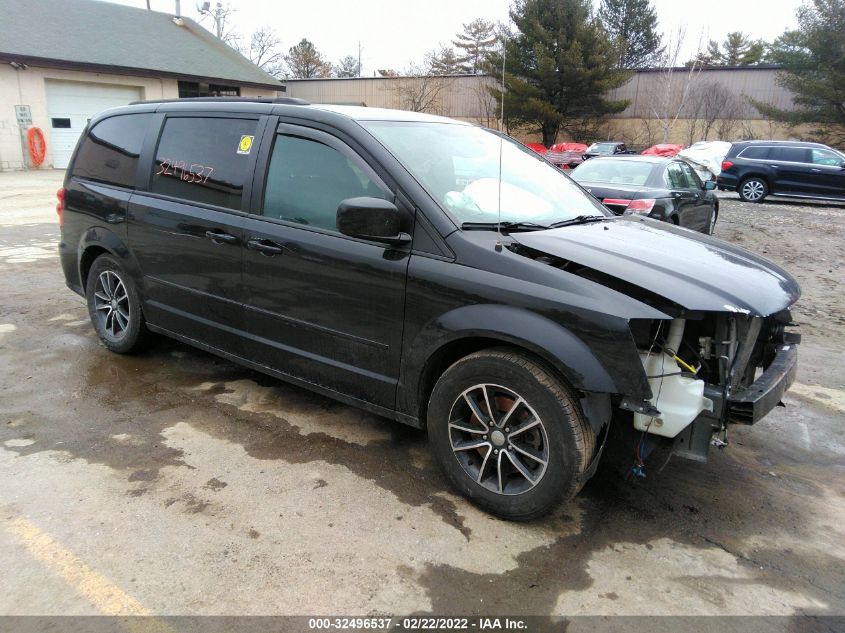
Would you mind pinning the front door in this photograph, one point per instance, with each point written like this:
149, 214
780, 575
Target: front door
321, 306
827, 173
700, 217
792, 166
684, 197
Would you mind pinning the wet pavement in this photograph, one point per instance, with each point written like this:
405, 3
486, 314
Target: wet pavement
184, 484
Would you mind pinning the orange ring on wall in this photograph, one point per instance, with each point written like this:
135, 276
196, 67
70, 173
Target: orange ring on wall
37, 145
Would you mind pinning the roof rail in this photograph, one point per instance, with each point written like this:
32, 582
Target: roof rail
286, 100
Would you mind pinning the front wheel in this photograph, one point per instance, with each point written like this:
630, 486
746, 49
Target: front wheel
115, 307
711, 223
753, 189
508, 434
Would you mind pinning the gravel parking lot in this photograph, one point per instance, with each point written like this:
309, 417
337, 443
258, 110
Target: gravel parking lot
177, 483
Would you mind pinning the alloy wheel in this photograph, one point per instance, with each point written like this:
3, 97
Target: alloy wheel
753, 190
111, 303
498, 439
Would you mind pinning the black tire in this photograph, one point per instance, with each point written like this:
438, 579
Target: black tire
711, 223
564, 437
753, 189
115, 311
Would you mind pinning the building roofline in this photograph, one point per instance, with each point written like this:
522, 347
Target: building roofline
462, 75
455, 76
64, 64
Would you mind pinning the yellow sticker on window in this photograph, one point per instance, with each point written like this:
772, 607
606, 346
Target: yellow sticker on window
245, 146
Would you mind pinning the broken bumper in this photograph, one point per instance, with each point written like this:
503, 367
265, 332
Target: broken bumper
752, 403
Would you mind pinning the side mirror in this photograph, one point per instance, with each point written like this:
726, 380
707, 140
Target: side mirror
710, 185
371, 219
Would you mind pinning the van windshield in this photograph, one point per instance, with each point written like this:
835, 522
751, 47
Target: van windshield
459, 166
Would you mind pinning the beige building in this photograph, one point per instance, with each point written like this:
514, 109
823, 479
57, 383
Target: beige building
61, 62
677, 105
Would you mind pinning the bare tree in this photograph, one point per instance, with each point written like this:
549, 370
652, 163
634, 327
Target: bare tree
732, 115
264, 52
709, 102
649, 131
220, 16
673, 85
420, 91
483, 91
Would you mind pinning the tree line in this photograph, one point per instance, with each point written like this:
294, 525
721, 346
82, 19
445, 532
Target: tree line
561, 58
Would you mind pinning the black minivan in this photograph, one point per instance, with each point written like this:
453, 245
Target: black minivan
426, 270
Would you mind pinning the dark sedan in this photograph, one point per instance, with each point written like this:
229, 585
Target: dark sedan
606, 148
662, 188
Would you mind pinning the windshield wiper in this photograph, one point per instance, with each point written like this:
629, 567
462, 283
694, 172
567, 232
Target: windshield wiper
505, 226
580, 219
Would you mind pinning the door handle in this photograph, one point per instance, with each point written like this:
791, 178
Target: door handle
220, 237
265, 247
815, 170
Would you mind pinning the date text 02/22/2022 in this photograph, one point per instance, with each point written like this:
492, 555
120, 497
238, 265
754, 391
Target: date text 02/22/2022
418, 623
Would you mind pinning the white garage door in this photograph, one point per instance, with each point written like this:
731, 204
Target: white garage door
70, 104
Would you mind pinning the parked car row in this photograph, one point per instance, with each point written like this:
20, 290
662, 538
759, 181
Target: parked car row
678, 188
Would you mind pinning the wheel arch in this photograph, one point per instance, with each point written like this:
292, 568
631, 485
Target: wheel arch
547, 342
97, 241
755, 174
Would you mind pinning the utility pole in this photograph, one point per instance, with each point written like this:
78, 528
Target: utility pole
359, 59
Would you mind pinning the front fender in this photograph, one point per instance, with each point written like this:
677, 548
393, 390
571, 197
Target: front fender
607, 362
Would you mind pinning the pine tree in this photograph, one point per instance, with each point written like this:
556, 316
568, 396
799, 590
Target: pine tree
347, 67
813, 61
443, 62
559, 66
306, 62
633, 26
736, 50
474, 45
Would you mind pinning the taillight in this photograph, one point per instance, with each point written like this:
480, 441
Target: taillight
726, 165
642, 206
60, 206
617, 202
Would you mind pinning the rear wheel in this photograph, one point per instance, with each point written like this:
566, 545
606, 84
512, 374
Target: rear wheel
508, 434
115, 307
753, 189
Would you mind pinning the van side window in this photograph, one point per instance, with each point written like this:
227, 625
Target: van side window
755, 152
110, 150
791, 154
307, 180
826, 157
204, 159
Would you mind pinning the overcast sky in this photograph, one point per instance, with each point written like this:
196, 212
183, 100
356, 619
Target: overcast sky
396, 33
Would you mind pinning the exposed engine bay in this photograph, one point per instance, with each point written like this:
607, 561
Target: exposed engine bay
709, 372
722, 355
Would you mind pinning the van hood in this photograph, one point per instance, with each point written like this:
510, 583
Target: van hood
695, 271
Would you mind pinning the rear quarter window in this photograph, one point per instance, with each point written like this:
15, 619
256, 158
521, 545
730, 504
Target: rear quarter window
204, 159
109, 151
